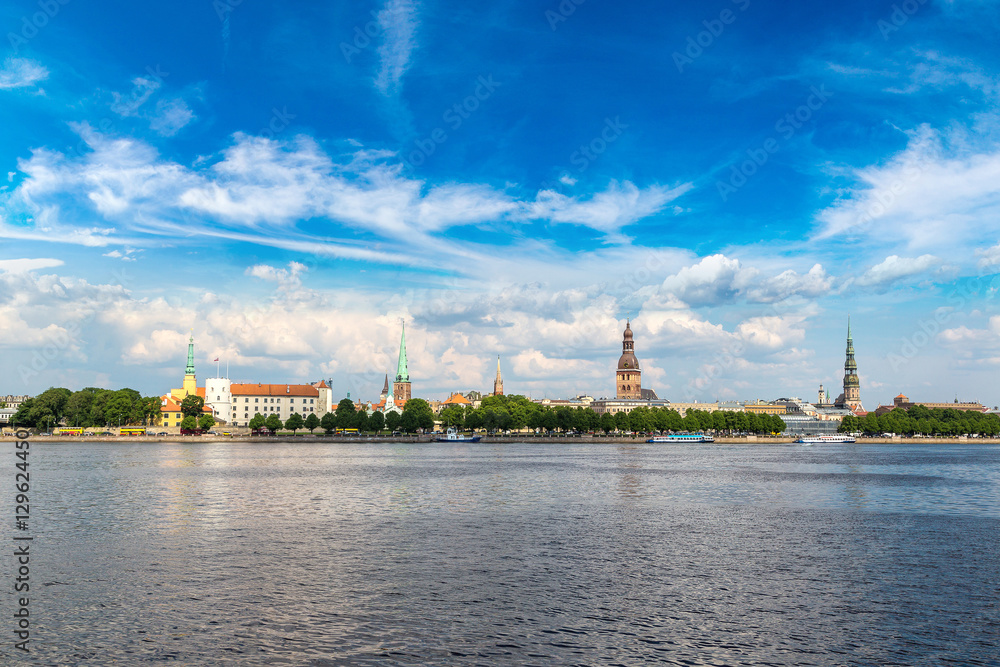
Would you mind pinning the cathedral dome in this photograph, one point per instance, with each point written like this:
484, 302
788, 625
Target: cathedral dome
628, 360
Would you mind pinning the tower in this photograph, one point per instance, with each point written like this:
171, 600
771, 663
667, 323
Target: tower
401, 387
498, 383
822, 396
385, 388
628, 378
190, 386
852, 385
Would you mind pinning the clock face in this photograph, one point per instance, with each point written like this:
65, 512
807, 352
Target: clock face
626, 364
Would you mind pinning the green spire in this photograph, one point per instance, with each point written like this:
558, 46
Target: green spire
402, 375
850, 365
190, 367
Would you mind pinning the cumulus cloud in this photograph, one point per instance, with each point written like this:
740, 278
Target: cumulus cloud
21, 73
894, 268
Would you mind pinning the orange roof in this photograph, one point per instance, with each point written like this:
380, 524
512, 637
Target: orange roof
901, 396
273, 390
321, 385
456, 399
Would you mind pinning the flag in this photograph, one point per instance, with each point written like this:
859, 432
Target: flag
216, 358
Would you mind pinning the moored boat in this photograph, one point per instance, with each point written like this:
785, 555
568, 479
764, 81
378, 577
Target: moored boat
454, 436
682, 437
816, 439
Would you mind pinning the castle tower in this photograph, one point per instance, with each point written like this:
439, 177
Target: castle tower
498, 383
852, 384
401, 387
822, 396
628, 378
190, 386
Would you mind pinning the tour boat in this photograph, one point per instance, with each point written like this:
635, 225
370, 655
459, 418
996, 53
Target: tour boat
454, 436
682, 437
815, 439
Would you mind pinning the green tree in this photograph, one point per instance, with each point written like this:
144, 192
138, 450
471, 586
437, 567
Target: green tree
453, 415
361, 421
78, 407
408, 422
312, 421
328, 422
206, 422
607, 422
189, 423
392, 422
421, 412
151, 406
474, 419
191, 406
273, 423
345, 413
376, 422
295, 422
257, 422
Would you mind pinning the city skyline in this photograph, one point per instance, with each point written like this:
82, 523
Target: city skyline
293, 183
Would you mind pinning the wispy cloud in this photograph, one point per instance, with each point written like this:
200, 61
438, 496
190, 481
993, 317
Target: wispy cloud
28, 264
398, 21
21, 73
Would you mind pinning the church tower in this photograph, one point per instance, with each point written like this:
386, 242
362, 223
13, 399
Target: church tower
190, 386
401, 387
628, 378
385, 388
852, 385
498, 383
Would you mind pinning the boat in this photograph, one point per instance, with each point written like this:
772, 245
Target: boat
454, 436
682, 437
816, 439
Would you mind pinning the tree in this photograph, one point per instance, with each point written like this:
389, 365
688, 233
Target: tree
273, 423
453, 415
328, 422
361, 421
192, 405
205, 422
312, 421
376, 422
151, 406
345, 413
421, 412
607, 422
78, 407
189, 423
392, 421
408, 422
257, 422
295, 422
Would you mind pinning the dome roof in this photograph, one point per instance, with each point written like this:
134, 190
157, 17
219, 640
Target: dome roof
628, 360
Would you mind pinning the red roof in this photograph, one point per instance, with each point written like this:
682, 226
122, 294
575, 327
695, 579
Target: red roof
273, 390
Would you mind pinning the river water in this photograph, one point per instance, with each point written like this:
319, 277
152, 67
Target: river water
509, 554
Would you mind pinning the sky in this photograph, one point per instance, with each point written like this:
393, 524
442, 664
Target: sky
292, 182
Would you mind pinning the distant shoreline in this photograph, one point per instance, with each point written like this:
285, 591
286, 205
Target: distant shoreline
427, 439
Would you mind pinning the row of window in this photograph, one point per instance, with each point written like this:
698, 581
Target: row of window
290, 400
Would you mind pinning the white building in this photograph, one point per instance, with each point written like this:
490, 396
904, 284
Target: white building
277, 399
219, 398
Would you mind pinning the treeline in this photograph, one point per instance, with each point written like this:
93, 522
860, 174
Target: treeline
921, 420
88, 407
501, 413
417, 414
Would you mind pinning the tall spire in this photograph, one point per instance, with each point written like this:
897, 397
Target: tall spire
402, 374
852, 384
498, 383
190, 365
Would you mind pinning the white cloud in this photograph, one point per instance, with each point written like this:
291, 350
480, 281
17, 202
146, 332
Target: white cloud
894, 268
26, 264
715, 279
286, 278
989, 257
126, 105
940, 192
21, 73
398, 21
170, 116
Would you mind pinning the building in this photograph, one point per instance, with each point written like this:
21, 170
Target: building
401, 387
903, 402
276, 399
12, 401
765, 408
616, 405
851, 398
498, 383
682, 408
219, 399
628, 376
455, 399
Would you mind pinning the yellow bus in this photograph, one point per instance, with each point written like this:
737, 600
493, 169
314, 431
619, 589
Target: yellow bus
69, 431
129, 430
347, 431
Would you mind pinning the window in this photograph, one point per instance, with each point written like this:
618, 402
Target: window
256, 400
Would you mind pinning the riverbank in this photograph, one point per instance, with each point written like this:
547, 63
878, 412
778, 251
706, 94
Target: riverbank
414, 439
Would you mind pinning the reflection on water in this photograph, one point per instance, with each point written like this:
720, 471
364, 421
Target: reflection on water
323, 554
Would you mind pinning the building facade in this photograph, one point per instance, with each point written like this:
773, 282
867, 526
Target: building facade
498, 383
277, 399
905, 403
628, 376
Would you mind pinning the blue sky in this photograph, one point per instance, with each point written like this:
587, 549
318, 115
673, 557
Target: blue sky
294, 180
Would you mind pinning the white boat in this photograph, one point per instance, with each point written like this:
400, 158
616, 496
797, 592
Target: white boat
454, 436
682, 437
816, 439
